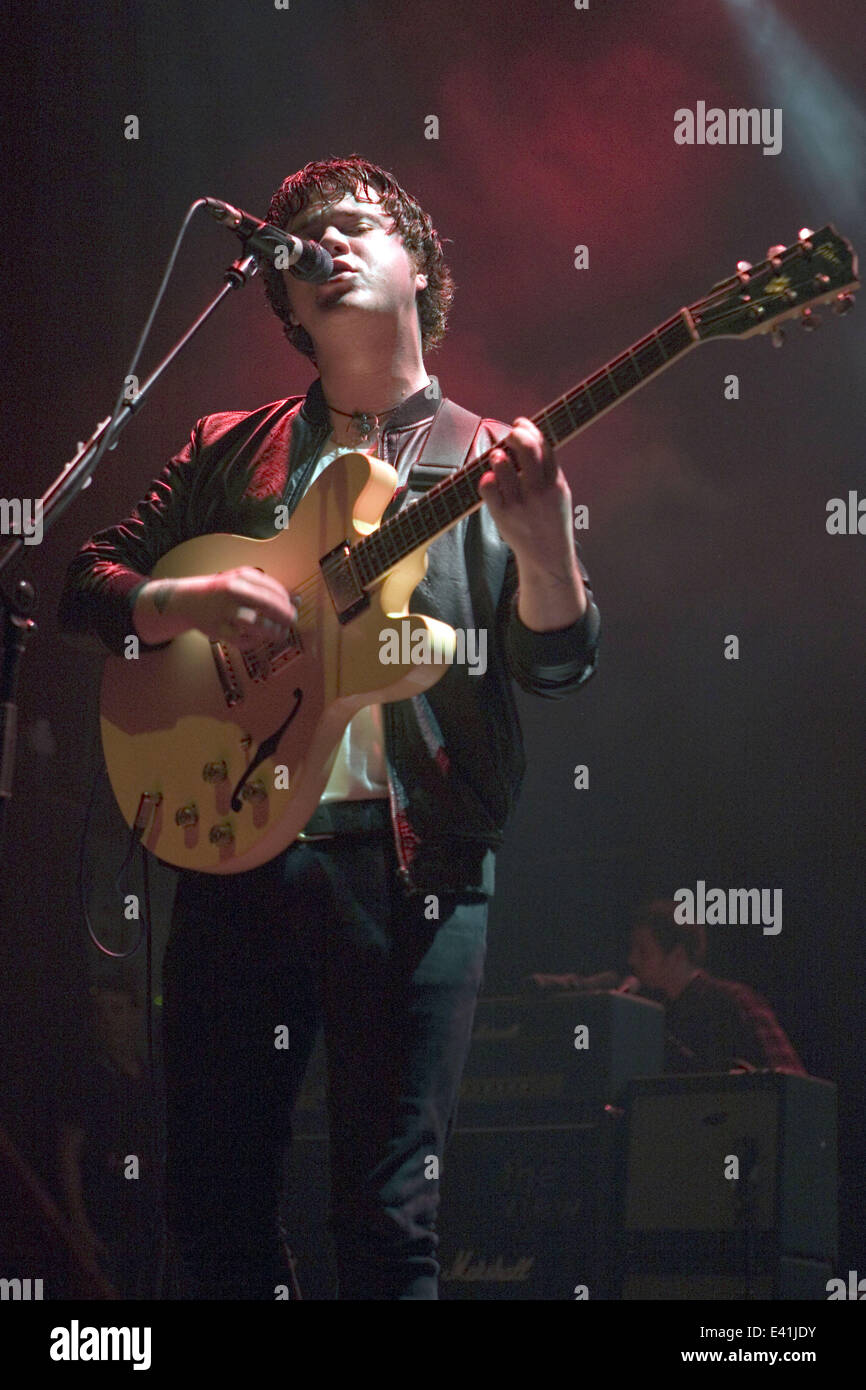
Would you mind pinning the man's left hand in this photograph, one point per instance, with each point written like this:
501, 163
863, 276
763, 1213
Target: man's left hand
529, 498
530, 501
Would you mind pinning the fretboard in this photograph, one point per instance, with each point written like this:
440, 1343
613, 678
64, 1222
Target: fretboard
457, 495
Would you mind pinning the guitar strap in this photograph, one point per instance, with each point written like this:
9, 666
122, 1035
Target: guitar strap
446, 448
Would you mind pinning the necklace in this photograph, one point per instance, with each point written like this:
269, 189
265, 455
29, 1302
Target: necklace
364, 422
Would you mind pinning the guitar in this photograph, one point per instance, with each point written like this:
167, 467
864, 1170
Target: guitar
218, 758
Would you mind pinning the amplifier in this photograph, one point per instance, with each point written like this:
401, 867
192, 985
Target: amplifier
731, 1181
544, 1060
557, 1059
802, 1280
529, 1213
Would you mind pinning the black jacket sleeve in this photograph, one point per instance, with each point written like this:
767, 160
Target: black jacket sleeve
103, 580
552, 664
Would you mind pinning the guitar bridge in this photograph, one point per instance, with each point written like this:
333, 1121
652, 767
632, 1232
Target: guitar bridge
345, 588
227, 678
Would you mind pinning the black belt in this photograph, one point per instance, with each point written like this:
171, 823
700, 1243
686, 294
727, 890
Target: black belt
347, 818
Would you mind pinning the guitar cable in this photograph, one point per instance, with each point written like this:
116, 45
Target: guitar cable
144, 923
120, 884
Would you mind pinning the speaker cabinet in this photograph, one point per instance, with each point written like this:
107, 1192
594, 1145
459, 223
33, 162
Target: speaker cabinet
731, 1183
800, 1280
528, 1213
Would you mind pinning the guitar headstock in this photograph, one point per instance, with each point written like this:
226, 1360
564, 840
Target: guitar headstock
819, 268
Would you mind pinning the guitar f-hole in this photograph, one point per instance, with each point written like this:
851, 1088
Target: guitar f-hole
264, 751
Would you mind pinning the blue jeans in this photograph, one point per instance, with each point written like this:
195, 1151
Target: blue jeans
324, 933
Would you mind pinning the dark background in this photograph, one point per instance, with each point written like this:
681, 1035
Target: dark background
707, 516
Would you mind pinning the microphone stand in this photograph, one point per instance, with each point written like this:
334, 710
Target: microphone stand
18, 625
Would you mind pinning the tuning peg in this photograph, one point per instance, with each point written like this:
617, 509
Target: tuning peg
809, 320
773, 251
777, 337
843, 303
804, 233
743, 267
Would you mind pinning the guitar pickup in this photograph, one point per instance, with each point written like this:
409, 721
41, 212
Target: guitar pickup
345, 588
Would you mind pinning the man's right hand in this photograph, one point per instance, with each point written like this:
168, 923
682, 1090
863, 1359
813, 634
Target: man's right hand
243, 606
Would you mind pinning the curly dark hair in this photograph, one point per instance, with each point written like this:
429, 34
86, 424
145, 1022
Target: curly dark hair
346, 177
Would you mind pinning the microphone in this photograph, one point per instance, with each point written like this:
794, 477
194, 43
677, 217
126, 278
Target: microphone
306, 259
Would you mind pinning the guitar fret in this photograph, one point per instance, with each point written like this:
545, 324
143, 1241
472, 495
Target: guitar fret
466, 488
561, 422
602, 390
625, 374
648, 356
439, 504
389, 541
580, 406
544, 424
674, 336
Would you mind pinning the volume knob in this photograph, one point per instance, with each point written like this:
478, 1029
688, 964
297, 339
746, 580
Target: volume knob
255, 791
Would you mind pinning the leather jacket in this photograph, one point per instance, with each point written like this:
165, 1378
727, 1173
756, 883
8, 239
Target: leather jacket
454, 753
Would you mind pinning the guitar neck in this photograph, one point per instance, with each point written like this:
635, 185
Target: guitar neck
457, 495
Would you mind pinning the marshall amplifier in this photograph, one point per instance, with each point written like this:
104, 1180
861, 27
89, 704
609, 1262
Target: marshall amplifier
528, 1213
731, 1186
557, 1059
536, 1060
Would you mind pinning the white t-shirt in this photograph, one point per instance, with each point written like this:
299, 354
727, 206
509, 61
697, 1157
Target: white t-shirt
359, 772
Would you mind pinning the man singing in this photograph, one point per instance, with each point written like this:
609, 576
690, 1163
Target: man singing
373, 923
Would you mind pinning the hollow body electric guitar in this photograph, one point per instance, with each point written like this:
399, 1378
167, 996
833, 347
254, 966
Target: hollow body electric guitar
218, 758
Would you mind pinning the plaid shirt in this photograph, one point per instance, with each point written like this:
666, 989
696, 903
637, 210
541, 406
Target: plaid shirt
714, 1024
